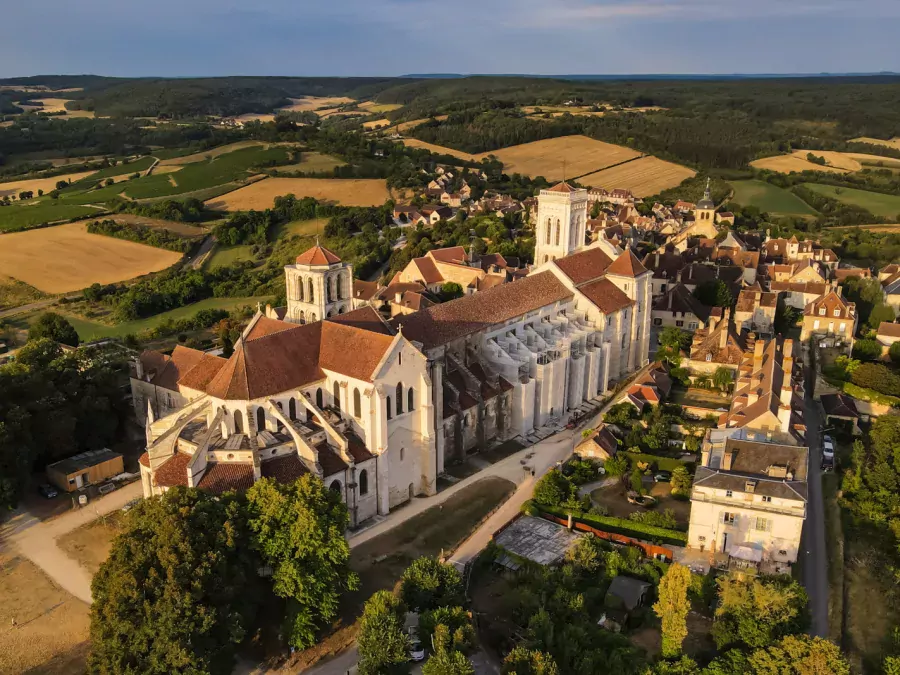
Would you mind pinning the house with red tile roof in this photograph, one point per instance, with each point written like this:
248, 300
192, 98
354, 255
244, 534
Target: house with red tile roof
832, 319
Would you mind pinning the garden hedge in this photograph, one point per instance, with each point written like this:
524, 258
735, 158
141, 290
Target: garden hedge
630, 528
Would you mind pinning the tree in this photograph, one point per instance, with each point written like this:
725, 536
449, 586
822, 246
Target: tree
553, 489
524, 661
447, 660
616, 466
61, 185
756, 611
457, 621
714, 294
867, 350
451, 290
428, 584
722, 378
878, 377
681, 481
894, 352
179, 589
621, 414
383, 646
683, 666
54, 326
799, 655
299, 531
672, 608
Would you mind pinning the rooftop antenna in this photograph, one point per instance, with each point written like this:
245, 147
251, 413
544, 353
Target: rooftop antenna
564, 169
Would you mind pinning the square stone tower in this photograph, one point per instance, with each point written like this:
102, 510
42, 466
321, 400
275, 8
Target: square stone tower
561, 222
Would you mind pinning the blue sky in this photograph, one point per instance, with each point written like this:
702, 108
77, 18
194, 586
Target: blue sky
394, 37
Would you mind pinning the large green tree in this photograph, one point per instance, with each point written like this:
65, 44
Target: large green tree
383, 646
298, 529
524, 661
428, 584
447, 660
179, 589
672, 608
799, 655
54, 326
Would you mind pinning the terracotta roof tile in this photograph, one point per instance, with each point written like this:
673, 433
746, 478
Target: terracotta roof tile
330, 461
452, 320
627, 265
606, 296
585, 266
428, 270
561, 187
202, 374
357, 448
144, 460
266, 326
889, 329
364, 318
454, 255
222, 477
317, 255
174, 366
352, 351
284, 469
364, 290
173, 471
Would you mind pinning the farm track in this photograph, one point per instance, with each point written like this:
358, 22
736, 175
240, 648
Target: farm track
611, 166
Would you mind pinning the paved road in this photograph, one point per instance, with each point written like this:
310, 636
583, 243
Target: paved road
814, 553
21, 309
36, 540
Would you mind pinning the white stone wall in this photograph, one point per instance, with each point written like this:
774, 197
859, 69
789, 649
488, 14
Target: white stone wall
569, 211
332, 291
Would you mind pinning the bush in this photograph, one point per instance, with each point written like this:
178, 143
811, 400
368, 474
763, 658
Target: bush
553, 489
877, 377
56, 327
616, 466
581, 471
629, 528
428, 584
621, 414
666, 519
867, 350
894, 352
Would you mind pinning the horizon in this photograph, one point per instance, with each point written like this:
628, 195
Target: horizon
390, 38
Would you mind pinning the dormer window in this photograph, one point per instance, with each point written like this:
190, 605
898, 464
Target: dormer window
709, 357
822, 312
837, 312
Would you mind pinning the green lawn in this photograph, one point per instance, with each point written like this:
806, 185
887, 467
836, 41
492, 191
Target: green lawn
46, 211
301, 227
312, 162
224, 256
769, 198
887, 206
206, 174
92, 330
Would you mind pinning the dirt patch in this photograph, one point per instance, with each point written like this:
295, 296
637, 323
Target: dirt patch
50, 635
645, 176
90, 544
35, 184
614, 499
66, 258
261, 195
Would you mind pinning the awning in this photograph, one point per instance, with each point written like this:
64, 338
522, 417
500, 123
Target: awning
746, 552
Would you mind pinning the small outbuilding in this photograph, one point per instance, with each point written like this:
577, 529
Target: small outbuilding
624, 596
840, 410
600, 445
85, 469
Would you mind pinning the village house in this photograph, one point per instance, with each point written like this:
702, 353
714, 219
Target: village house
679, 308
755, 310
830, 318
748, 500
717, 345
798, 295
454, 264
651, 388
601, 445
889, 276
888, 333
842, 273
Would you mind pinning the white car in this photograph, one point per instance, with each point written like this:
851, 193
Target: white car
828, 448
416, 650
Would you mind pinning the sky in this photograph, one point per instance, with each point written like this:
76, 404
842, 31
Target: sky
394, 37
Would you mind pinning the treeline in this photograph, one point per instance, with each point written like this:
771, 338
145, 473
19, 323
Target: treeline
142, 234
187, 210
835, 213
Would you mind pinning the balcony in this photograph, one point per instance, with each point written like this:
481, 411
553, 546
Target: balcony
738, 503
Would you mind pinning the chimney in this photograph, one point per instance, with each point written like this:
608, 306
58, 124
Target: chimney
671, 295
723, 335
657, 258
726, 460
750, 486
758, 348
139, 368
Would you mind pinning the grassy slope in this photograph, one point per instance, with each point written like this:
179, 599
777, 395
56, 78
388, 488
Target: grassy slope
880, 204
769, 198
29, 215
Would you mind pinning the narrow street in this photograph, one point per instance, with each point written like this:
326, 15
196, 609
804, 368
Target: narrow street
813, 551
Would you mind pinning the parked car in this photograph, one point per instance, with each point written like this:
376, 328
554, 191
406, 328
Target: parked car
663, 476
416, 650
47, 491
828, 447
131, 504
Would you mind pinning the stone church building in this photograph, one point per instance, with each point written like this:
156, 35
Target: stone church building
377, 410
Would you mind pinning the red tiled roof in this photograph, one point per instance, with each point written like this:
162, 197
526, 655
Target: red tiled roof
179, 363
364, 318
454, 254
266, 326
428, 270
452, 320
561, 187
364, 290
889, 329
318, 255
144, 460
284, 469
222, 477
585, 266
173, 471
627, 265
352, 351
357, 449
201, 374
606, 296
330, 461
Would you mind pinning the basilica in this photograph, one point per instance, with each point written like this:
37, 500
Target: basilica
378, 406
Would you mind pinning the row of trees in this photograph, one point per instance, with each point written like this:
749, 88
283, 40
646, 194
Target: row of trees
142, 234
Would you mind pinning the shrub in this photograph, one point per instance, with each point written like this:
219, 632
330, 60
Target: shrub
553, 489
867, 350
621, 414
666, 519
877, 377
629, 528
681, 482
428, 584
894, 352
637, 479
616, 466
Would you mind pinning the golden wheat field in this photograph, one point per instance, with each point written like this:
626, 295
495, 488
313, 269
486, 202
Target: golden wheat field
439, 149
892, 143
374, 124
791, 164
374, 107
67, 258
315, 102
581, 155
212, 152
255, 117
405, 126
645, 176
35, 184
838, 162
261, 195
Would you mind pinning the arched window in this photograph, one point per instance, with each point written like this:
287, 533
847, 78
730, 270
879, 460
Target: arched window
339, 292
363, 482
329, 291
238, 422
357, 404
299, 286
336, 485
340, 310
409, 400
292, 409
302, 316
328, 314
399, 398
312, 317
558, 226
319, 402
310, 296
549, 228
260, 420
388, 402
546, 257
337, 395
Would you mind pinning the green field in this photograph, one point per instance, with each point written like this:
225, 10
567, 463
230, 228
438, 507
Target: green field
16, 216
312, 162
92, 330
223, 256
880, 204
207, 174
769, 198
139, 165
81, 193
301, 227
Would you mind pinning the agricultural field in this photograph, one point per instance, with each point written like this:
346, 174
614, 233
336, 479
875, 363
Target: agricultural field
261, 195
66, 258
301, 227
645, 176
15, 293
769, 198
887, 206
124, 168
45, 184
181, 229
892, 143
308, 103
174, 158
255, 117
792, 164
225, 256
439, 149
405, 126
573, 155
379, 108
52, 626
837, 162
312, 162
30, 214
375, 124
